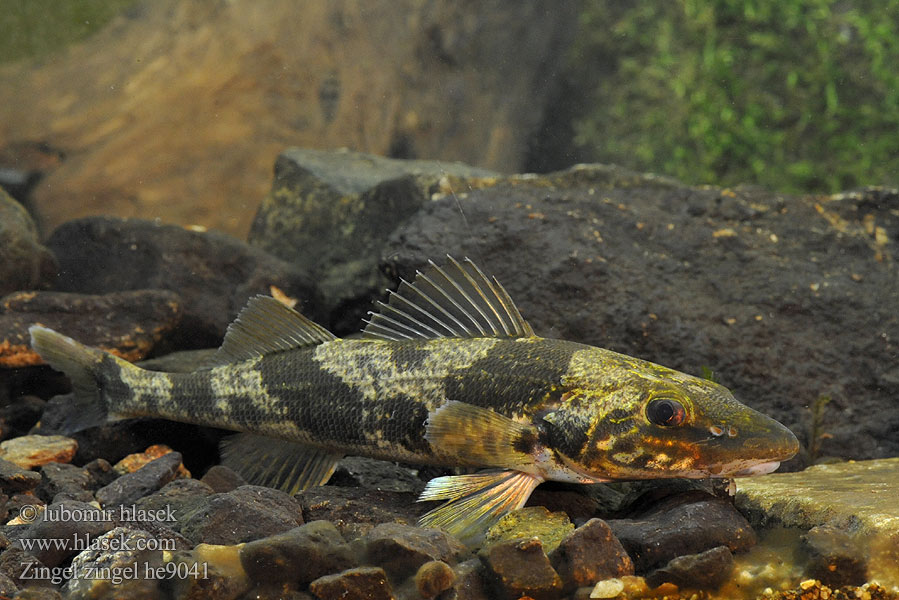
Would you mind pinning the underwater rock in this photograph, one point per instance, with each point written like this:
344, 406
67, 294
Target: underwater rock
123, 555
532, 521
133, 462
214, 274
70, 520
331, 213
356, 511
834, 557
31, 451
60, 478
520, 568
359, 471
401, 549
14, 478
242, 515
704, 571
470, 581
222, 479
17, 418
688, 523
363, 582
25, 264
128, 324
312, 550
15, 562
433, 578
131, 487
857, 498
589, 554
181, 497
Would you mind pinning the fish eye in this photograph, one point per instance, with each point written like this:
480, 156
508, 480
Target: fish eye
666, 412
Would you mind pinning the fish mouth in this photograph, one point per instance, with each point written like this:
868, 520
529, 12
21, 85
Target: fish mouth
759, 469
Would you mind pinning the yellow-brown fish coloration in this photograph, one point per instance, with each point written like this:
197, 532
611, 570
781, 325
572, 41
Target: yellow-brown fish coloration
447, 373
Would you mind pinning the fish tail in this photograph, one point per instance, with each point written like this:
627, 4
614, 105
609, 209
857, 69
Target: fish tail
83, 365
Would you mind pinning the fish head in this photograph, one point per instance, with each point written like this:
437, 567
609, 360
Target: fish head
623, 418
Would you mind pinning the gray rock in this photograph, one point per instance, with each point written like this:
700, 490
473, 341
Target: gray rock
331, 212
704, 571
401, 549
222, 479
14, 478
76, 523
59, 478
181, 497
8, 587
18, 417
359, 471
312, 551
363, 582
213, 273
24, 263
835, 557
15, 562
130, 487
356, 511
688, 523
470, 581
122, 555
242, 515
589, 554
520, 568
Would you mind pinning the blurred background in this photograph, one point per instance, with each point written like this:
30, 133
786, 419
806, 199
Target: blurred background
177, 110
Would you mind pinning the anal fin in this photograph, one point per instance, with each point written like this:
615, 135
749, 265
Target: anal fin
475, 502
276, 463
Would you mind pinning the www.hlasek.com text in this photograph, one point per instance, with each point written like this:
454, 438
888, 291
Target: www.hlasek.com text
105, 543
115, 575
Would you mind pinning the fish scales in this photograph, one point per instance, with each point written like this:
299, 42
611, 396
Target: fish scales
447, 373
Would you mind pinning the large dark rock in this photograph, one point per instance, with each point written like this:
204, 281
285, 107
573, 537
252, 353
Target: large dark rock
704, 571
362, 582
213, 273
402, 549
520, 568
131, 487
356, 511
683, 524
589, 554
330, 214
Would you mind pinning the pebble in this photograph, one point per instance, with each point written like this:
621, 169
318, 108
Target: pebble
133, 462
68, 520
14, 478
31, 451
131, 487
369, 583
245, 514
312, 550
607, 588
433, 578
122, 553
589, 554
222, 479
705, 571
61, 478
532, 521
401, 549
520, 568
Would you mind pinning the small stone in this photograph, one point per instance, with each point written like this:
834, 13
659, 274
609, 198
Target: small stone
470, 582
607, 588
356, 511
363, 582
59, 478
31, 451
214, 572
589, 554
222, 479
133, 462
808, 584
72, 521
129, 488
101, 473
14, 562
24, 262
312, 551
359, 471
248, 513
434, 577
180, 497
123, 554
835, 558
520, 568
14, 478
401, 549
705, 571
532, 521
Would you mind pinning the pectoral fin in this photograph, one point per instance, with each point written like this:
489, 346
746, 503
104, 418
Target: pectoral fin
287, 466
480, 437
475, 502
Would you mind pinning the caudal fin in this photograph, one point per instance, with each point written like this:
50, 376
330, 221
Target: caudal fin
82, 366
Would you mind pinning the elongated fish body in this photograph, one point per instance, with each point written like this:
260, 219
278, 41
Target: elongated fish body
448, 373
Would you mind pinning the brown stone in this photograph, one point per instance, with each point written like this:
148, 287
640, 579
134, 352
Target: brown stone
589, 554
177, 109
364, 582
31, 451
520, 568
128, 324
133, 462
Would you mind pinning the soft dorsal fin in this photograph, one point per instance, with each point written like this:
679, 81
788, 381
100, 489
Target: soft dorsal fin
457, 300
265, 325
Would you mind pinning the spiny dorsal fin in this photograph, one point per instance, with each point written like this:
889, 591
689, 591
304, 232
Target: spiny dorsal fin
287, 466
265, 326
457, 300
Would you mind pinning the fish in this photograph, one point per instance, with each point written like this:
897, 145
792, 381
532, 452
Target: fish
447, 372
